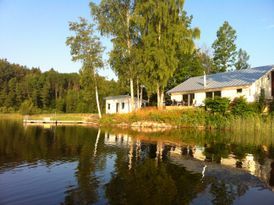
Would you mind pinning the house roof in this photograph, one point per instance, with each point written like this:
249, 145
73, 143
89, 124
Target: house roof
125, 97
117, 97
221, 80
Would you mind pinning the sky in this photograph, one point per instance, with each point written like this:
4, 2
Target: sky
33, 33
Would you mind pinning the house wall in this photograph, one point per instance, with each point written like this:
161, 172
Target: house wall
126, 109
199, 98
113, 102
262, 83
177, 97
251, 93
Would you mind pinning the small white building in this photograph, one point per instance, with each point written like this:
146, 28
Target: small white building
247, 83
121, 104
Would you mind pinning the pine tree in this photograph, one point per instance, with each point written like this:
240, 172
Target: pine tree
242, 60
225, 48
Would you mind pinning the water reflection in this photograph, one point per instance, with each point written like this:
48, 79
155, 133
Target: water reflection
81, 165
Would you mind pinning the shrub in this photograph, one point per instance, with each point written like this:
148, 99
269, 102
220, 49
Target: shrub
217, 105
261, 101
27, 108
240, 106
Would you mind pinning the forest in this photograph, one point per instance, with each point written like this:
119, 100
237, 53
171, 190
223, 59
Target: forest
28, 90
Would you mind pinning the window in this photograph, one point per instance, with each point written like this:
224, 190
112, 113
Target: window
191, 98
185, 99
209, 94
217, 94
108, 106
239, 90
123, 105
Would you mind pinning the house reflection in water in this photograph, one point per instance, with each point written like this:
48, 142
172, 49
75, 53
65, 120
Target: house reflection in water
194, 157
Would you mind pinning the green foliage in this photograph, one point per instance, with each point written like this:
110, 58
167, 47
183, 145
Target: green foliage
86, 47
241, 107
190, 65
242, 60
50, 91
27, 108
217, 105
261, 101
224, 48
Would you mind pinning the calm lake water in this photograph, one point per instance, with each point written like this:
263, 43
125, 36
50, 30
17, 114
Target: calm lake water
83, 165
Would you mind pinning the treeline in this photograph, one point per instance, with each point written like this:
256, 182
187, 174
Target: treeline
32, 91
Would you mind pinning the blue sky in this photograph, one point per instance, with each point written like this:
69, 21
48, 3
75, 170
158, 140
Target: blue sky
33, 32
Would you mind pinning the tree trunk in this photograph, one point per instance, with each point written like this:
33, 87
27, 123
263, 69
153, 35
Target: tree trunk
158, 96
132, 95
97, 101
138, 94
141, 97
97, 96
161, 98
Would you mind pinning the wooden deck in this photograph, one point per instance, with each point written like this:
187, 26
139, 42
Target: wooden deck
57, 122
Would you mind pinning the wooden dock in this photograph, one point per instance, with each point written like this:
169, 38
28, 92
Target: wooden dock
58, 122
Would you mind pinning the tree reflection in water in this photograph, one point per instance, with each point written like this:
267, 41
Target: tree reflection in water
144, 169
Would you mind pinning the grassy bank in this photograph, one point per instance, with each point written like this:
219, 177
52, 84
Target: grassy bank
58, 117
193, 118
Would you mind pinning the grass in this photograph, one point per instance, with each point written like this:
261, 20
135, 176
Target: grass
187, 117
194, 118
60, 117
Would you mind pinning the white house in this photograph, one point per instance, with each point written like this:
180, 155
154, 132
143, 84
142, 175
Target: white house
121, 104
247, 83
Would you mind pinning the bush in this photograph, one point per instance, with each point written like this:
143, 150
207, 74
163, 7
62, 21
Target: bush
27, 108
241, 107
261, 101
217, 105
7, 110
60, 105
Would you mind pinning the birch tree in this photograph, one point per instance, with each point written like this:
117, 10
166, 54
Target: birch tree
164, 31
114, 19
86, 47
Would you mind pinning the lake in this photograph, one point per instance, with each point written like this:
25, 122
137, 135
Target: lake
85, 165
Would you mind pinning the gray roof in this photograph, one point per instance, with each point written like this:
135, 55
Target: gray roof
117, 97
235, 78
125, 97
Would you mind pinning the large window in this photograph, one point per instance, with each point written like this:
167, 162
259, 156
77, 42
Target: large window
185, 99
209, 95
217, 94
214, 94
191, 96
123, 105
108, 106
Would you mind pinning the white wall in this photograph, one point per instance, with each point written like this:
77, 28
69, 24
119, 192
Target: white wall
126, 109
177, 97
199, 99
265, 83
113, 102
248, 92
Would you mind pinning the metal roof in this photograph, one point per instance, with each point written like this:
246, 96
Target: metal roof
117, 97
125, 97
221, 80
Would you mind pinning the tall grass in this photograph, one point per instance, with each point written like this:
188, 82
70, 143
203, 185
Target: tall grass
193, 118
